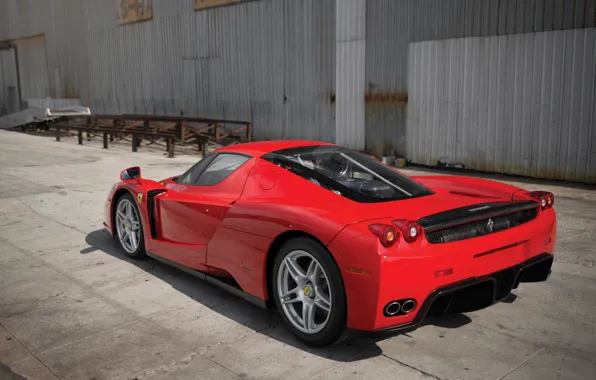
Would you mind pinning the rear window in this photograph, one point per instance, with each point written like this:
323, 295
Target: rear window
348, 173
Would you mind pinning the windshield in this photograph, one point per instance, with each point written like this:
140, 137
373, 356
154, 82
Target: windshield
348, 173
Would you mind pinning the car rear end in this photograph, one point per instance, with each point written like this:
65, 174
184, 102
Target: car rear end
398, 272
410, 246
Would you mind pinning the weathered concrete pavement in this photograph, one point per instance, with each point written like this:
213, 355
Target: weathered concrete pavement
72, 306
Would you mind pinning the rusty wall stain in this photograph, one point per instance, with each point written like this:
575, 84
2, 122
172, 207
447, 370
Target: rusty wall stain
396, 98
399, 98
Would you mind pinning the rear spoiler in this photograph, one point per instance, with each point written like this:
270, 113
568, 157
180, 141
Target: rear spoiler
469, 214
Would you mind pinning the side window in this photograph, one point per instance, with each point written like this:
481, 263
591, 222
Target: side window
192, 174
220, 168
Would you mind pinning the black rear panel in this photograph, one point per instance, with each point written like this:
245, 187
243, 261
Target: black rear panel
478, 220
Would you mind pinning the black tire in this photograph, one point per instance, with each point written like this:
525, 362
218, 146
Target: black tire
140, 252
335, 329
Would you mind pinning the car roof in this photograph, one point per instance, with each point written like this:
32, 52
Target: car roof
261, 148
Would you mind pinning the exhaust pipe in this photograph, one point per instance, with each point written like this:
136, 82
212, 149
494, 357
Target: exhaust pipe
392, 308
408, 306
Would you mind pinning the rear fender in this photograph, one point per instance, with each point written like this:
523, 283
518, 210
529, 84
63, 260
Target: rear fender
468, 186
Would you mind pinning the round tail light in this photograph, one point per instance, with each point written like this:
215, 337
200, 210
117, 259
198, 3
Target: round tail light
387, 234
410, 230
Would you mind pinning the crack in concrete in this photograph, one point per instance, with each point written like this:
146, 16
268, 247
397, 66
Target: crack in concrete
350, 359
522, 363
412, 367
114, 328
31, 353
47, 217
86, 287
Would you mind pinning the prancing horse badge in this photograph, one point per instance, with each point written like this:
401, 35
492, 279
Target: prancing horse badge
140, 197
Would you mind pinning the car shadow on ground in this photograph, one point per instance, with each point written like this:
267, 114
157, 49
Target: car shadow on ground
265, 322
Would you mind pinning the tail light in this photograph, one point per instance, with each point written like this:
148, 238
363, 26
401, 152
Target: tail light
544, 198
387, 234
410, 230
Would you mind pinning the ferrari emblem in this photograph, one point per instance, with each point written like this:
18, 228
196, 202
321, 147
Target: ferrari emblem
489, 225
140, 197
306, 291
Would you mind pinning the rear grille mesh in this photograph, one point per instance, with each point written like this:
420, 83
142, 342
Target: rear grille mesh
481, 227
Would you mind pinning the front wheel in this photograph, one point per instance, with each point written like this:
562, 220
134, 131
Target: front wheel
129, 228
309, 291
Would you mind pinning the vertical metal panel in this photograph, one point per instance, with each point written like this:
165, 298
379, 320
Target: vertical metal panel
519, 104
350, 48
590, 14
392, 24
9, 95
33, 69
309, 67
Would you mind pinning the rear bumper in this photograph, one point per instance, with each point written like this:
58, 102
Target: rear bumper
473, 293
374, 275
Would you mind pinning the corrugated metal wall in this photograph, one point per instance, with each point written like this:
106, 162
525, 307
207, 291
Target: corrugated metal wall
33, 67
269, 61
350, 50
519, 104
392, 24
8, 82
53, 104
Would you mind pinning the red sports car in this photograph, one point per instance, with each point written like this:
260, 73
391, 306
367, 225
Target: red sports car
334, 239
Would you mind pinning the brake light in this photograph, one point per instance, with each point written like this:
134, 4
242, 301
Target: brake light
410, 230
387, 234
544, 198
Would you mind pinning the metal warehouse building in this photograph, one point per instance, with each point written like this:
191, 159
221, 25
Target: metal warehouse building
497, 85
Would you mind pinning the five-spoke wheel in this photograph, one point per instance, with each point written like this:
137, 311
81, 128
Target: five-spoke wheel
309, 291
128, 226
304, 291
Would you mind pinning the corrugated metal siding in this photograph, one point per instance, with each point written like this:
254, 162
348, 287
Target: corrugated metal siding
8, 82
33, 67
53, 104
519, 104
392, 24
269, 61
309, 67
350, 53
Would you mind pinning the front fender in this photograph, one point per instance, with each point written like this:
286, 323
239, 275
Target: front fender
139, 189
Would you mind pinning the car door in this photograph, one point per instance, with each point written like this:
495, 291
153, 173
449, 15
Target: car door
189, 214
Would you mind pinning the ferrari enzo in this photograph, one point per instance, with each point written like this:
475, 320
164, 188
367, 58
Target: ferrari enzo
335, 240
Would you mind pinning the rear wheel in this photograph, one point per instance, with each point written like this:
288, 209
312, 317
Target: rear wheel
309, 292
129, 228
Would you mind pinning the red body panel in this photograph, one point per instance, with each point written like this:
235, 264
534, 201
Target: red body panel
408, 271
227, 230
187, 218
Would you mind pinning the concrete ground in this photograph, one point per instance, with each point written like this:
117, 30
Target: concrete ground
72, 306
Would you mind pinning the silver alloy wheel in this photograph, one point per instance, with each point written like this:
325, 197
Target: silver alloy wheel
304, 291
128, 225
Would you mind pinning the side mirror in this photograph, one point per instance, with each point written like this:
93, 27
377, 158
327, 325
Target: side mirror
130, 173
